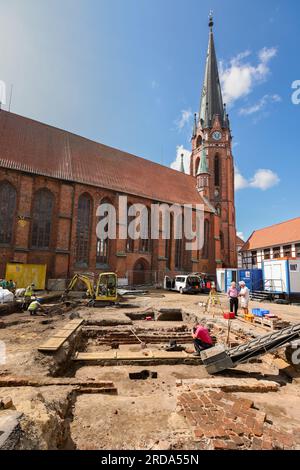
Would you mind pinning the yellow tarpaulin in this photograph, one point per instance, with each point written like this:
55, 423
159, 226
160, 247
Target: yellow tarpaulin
25, 274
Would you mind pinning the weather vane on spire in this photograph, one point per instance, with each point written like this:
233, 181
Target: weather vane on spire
211, 19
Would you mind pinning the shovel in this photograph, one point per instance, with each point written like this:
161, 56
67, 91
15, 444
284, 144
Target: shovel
143, 345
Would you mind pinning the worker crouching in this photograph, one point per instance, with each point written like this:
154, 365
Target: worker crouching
202, 339
36, 307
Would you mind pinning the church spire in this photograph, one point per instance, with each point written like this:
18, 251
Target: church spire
182, 164
211, 99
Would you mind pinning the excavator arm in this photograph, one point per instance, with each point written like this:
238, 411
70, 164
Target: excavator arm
86, 280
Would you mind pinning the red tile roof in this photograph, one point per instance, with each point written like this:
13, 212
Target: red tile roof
239, 241
280, 234
38, 148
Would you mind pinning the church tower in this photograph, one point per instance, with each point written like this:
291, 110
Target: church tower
212, 161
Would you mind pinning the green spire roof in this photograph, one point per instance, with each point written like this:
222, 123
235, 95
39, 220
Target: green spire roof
203, 168
211, 99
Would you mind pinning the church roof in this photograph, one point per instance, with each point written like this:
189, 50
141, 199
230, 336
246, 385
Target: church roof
37, 148
211, 99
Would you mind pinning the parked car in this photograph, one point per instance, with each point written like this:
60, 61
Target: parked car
185, 284
208, 281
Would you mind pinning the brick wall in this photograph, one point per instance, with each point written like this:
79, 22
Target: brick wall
61, 255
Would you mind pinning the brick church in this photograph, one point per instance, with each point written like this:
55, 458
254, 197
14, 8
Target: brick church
52, 181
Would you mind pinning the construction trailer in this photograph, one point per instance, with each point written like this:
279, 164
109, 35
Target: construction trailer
225, 277
253, 278
281, 278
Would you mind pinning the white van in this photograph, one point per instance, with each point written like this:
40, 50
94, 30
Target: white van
185, 284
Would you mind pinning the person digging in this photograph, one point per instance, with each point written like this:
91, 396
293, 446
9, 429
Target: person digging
29, 292
202, 339
35, 308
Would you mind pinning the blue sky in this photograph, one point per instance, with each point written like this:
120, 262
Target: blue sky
129, 73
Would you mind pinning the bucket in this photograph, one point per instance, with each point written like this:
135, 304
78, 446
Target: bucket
229, 316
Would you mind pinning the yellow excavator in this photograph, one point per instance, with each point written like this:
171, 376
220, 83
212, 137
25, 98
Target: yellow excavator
104, 293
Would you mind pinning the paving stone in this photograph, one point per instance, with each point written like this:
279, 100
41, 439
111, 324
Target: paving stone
219, 445
256, 443
6, 403
229, 422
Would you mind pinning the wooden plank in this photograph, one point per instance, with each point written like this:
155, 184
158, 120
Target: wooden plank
60, 336
53, 344
169, 355
76, 321
63, 333
139, 356
95, 356
70, 327
130, 356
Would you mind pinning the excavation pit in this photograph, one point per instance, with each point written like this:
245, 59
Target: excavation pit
142, 344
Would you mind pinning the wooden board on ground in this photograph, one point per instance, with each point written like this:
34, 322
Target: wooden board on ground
59, 337
76, 321
130, 356
169, 355
53, 344
134, 356
95, 356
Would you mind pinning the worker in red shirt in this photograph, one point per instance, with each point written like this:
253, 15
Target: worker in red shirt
202, 339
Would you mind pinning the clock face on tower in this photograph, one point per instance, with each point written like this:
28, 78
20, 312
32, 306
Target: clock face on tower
217, 135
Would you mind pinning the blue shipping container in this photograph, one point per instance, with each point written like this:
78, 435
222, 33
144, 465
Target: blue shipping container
253, 278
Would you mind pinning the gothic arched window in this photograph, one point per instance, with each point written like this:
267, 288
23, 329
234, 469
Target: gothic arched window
43, 204
8, 202
206, 239
130, 240
197, 165
83, 229
222, 240
102, 250
199, 141
145, 243
169, 243
178, 254
217, 170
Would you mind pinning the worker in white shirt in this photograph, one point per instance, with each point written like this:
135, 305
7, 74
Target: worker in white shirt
245, 297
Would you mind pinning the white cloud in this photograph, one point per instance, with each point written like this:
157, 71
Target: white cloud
184, 119
266, 54
241, 235
239, 181
263, 179
261, 104
186, 159
239, 77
